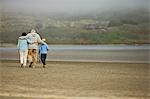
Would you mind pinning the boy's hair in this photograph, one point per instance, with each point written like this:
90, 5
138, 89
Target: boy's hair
24, 34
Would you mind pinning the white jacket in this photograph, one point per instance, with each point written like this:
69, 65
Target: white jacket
34, 37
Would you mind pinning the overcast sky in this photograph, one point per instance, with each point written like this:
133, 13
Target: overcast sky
70, 6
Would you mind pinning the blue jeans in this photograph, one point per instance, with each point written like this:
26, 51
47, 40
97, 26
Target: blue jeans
43, 58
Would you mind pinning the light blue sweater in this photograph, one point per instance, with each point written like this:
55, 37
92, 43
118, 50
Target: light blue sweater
43, 48
22, 44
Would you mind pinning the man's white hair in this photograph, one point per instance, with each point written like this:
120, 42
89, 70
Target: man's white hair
33, 31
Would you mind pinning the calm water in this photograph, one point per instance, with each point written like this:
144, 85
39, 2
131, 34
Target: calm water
89, 53
90, 47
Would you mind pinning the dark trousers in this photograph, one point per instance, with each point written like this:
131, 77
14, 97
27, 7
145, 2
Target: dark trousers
43, 58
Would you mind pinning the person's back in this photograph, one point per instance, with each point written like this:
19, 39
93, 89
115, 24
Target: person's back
34, 37
43, 48
22, 43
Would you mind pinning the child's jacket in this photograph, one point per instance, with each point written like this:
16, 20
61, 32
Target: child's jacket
43, 48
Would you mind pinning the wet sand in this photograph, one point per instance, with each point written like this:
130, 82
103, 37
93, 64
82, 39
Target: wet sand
75, 80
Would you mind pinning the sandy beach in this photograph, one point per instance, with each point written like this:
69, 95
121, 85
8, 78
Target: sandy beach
75, 80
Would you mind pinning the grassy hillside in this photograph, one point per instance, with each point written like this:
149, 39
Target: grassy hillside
119, 27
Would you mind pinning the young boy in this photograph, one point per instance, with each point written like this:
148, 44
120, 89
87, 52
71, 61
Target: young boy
23, 49
43, 48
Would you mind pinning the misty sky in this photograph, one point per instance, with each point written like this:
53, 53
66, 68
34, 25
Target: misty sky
70, 6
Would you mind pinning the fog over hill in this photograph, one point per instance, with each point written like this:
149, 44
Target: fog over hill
77, 21
70, 6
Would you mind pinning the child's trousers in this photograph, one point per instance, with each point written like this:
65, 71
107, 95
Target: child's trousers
43, 58
23, 57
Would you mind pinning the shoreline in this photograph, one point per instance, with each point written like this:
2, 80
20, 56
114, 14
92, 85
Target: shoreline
83, 61
140, 44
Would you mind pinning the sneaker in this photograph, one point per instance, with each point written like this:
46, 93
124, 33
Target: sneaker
31, 65
21, 65
44, 66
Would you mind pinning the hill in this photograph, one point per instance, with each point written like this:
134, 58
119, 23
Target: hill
111, 27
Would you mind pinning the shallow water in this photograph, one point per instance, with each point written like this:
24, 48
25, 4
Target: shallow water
89, 53
89, 47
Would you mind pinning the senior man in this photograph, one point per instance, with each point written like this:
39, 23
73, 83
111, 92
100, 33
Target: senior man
33, 47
